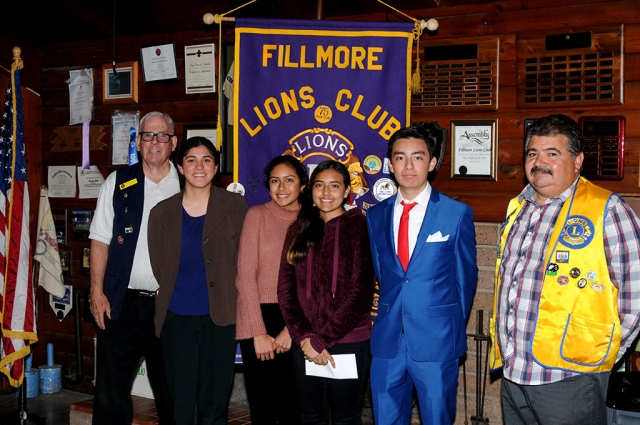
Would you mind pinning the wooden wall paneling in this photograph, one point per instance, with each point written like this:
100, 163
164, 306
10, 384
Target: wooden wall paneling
99, 52
181, 111
157, 92
631, 38
631, 68
31, 57
538, 4
524, 19
504, 17
448, 11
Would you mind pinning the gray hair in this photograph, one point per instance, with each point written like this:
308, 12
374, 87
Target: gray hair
155, 114
555, 125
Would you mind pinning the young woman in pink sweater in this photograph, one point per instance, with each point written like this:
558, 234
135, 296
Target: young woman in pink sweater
260, 328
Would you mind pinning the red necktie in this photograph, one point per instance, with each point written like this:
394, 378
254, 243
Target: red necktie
403, 234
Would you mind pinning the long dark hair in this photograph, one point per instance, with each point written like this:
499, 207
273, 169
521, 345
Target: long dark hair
309, 223
290, 161
194, 142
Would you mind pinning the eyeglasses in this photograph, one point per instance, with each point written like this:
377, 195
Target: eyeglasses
147, 136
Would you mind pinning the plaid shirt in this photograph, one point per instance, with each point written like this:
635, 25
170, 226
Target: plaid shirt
523, 268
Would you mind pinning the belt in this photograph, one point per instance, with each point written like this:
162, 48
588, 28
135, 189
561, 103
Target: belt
142, 293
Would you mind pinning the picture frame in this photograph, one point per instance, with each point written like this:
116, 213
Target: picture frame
120, 136
85, 265
66, 261
474, 147
80, 220
60, 223
205, 130
159, 62
120, 86
199, 68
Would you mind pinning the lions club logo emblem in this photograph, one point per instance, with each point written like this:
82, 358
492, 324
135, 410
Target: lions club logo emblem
577, 232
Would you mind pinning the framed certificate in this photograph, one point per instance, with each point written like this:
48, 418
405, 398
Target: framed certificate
120, 126
120, 86
199, 71
159, 62
474, 146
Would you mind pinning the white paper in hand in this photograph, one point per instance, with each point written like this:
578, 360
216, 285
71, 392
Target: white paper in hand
346, 368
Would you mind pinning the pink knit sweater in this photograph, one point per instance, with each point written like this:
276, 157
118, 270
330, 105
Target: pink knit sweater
263, 233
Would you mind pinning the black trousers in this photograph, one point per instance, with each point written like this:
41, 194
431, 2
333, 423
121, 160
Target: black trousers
270, 384
121, 345
199, 359
342, 398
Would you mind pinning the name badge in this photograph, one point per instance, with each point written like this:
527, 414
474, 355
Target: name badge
125, 185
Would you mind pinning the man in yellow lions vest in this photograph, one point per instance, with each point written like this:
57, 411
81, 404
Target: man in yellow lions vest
567, 293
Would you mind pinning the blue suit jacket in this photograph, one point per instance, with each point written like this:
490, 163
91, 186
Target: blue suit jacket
432, 299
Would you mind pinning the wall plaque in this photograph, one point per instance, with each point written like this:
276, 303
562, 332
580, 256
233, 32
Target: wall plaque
69, 139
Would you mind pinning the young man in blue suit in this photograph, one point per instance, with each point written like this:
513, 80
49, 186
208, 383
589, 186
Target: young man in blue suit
424, 253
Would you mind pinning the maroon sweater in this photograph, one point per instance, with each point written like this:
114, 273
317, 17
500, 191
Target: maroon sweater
327, 297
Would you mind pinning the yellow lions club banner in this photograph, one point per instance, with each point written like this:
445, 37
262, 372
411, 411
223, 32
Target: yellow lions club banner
320, 90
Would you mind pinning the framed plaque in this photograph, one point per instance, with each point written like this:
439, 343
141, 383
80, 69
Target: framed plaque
474, 147
159, 62
199, 71
603, 140
60, 222
80, 220
66, 260
86, 263
121, 85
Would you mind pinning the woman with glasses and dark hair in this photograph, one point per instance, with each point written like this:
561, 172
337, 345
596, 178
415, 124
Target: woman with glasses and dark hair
260, 328
193, 247
325, 290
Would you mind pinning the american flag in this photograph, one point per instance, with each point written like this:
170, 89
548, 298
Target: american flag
17, 317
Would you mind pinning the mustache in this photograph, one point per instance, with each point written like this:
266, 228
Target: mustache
537, 169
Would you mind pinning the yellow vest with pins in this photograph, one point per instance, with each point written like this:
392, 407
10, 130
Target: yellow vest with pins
577, 324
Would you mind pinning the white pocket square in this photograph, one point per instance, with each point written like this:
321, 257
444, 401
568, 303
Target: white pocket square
437, 237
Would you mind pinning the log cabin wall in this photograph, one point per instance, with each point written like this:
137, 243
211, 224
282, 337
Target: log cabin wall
512, 21
506, 21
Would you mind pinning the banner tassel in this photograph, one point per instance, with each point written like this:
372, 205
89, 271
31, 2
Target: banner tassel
420, 25
218, 20
415, 78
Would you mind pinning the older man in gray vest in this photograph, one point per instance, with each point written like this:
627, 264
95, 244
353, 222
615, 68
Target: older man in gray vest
123, 287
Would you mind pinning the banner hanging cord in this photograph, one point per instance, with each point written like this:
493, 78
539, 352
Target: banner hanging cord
419, 26
218, 20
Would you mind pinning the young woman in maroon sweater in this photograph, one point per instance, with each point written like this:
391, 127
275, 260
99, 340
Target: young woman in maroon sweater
264, 339
325, 290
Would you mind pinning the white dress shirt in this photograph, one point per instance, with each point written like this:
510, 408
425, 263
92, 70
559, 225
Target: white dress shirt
416, 216
102, 224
